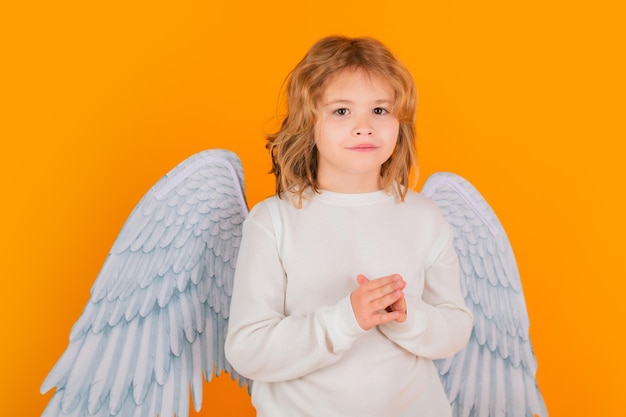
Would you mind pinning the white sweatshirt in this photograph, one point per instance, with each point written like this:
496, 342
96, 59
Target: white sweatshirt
292, 329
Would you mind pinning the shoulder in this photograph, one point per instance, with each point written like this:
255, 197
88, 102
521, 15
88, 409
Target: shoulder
423, 214
271, 203
270, 210
425, 206
260, 213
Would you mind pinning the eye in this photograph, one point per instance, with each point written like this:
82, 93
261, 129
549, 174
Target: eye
342, 112
380, 111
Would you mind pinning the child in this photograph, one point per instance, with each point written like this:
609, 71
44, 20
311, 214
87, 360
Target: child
347, 283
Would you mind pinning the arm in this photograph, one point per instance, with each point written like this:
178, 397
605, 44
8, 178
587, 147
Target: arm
262, 342
438, 324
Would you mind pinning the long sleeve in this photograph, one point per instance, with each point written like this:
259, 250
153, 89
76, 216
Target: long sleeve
263, 343
438, 323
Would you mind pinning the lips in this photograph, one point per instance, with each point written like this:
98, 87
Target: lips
363, 147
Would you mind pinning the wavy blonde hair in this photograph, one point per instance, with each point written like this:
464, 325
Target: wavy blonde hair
292, 148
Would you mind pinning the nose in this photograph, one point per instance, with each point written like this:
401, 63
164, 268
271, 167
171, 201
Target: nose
363, 127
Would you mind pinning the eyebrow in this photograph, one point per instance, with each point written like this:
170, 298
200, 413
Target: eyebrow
346, 101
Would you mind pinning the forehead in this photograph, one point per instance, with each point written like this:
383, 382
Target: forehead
349, 83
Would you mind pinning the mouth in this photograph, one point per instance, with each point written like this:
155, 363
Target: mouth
363, 147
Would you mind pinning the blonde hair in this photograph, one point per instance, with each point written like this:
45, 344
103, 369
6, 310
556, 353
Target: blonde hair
292, 148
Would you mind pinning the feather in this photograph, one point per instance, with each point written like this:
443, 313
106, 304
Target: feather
162, 357
59, 374
103, 379
54, 406
143, 375
127, 359
80, 372
196, 370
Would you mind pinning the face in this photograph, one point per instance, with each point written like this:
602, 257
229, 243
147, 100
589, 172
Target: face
355, 132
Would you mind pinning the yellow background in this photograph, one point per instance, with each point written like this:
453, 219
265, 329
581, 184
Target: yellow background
523, 98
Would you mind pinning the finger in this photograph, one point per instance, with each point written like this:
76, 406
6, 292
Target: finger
380, 283
399, 305
390, 288
361, 279
383, 318
388, 300
401, 317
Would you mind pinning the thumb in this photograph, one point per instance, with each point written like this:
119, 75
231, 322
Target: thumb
360, 279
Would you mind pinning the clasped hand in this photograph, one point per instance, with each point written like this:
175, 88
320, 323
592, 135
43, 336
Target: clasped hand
379, 301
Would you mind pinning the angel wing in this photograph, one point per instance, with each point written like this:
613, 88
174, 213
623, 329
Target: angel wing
158, 312
494, 376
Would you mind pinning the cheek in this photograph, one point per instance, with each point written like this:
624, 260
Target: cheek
391, 139
329, 132
389, 124
396, 128
391, 132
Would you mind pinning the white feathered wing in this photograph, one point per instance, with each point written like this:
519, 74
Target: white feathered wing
157, 316
494, 376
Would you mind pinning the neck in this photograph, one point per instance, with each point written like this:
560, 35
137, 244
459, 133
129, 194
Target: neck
348, 184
